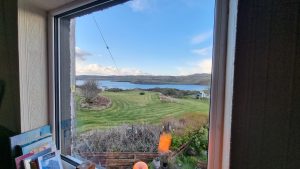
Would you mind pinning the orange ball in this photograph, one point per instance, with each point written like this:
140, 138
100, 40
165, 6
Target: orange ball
140, 165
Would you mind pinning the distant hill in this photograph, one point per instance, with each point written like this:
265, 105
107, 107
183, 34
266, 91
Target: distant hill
200, 79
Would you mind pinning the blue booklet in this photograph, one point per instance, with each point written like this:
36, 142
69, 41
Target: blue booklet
26, 138
50, 161
37, 145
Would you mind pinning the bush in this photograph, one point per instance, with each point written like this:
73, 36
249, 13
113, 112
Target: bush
173, 92
139, 138
89, 90
197, 139
114, 90
142, 93
186, 162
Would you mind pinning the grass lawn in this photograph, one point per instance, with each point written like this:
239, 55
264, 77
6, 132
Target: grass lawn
132, 108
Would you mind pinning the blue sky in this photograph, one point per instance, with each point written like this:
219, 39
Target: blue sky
157, 37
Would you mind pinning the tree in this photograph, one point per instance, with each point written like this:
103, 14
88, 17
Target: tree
90, 90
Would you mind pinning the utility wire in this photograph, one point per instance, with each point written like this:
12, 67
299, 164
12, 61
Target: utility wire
108, 49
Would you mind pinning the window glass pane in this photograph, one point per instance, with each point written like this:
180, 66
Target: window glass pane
137, 84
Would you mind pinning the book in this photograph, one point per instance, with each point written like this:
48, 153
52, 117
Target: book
18, 160
34, 164
51, 160
26, 161
36, 146
26, 138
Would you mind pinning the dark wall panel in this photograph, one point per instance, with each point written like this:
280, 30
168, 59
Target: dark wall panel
266, 104
9, 66
9, 78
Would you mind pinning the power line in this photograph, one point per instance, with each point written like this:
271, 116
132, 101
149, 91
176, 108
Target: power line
108, 49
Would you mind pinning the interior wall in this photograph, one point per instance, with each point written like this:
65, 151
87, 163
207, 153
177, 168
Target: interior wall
33, 65
9, 66
266, 104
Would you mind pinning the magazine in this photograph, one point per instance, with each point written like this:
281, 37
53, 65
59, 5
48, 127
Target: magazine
50, 161
36, 146
26, 138
27, 161
18, 160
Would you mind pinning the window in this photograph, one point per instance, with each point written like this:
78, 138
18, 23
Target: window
74, 133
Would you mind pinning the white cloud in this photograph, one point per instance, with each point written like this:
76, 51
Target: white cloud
201, 37
203, 66
139, 5
207, 51
85, 68
97, 69
81, 54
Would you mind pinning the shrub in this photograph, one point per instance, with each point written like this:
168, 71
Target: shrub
89, 90
173, 92
186, 162
197, 139
114, 90
139, 138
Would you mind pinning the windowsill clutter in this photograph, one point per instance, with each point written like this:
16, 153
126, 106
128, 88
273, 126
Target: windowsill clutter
36, 149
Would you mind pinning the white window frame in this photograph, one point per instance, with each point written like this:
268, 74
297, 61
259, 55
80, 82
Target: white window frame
222, 78
222, 84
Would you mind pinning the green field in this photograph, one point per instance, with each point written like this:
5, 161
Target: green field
129, 107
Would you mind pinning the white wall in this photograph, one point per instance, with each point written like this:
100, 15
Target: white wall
32, 29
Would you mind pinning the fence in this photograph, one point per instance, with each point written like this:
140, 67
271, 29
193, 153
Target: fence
119, 160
